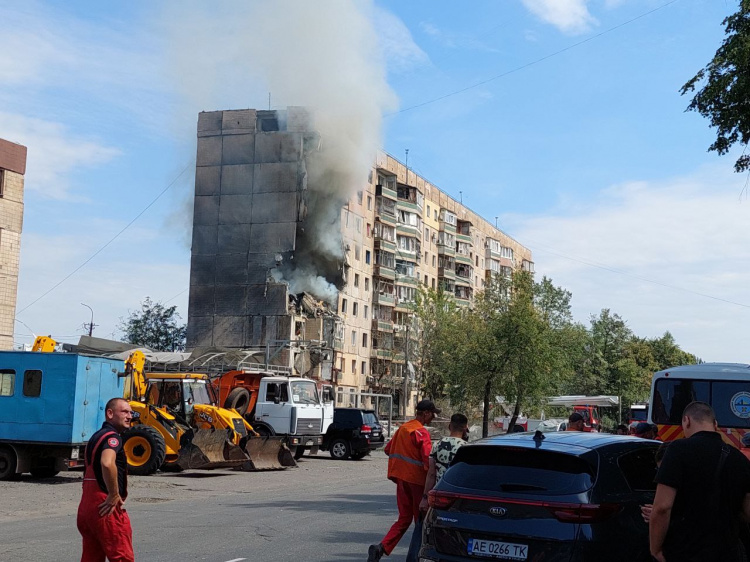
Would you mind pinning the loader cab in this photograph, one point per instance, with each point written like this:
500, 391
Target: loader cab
180, 396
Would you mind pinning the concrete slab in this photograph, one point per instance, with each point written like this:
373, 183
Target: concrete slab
238, 149
235, 209
231, 269
209, 151
277, 177
210, 121
274, 207
278, 147
205, 239
237, 179
234, 238
271, 237
229, 331
201, 300
229, 300
206, 210
207, 180
200, 331
202, 269
238, 119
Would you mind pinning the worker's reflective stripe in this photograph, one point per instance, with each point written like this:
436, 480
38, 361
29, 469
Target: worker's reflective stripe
403, 458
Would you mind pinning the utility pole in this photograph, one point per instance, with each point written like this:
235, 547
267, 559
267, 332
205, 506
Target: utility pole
90, 324
405, 390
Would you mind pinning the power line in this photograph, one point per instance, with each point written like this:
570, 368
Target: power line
639, 277
115, 237
532, 63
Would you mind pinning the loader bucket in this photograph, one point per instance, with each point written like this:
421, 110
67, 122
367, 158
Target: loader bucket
206, 449
268, 453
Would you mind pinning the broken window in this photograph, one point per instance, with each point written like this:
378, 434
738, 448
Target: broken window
355, 307
367, 283
369, 202
354, 367
367, 256
357, 252
364, 339
359, 197
356, 279
354, 337
269, 124
343, 306
364, 367
365, 312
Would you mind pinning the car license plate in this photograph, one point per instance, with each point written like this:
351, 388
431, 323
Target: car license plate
496, 549
309, 443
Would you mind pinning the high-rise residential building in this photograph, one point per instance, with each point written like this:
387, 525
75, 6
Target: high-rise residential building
12, 170
255, 251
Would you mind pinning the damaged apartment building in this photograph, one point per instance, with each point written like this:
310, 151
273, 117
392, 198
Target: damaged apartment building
339, 308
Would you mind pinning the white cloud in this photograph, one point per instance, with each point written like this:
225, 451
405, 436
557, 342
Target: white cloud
452, 40
53, 153
646, 249
399, 48
570, 16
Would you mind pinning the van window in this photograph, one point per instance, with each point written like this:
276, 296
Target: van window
32, 383
7, 382
516, 469
672, 395
277, 390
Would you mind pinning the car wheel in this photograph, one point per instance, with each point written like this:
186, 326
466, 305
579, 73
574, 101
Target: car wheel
8, 462
298, 452
340, 449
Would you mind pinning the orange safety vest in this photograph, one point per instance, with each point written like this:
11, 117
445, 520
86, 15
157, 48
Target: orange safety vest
404, 459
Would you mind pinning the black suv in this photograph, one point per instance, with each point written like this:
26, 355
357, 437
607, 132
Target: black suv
571, 496
353, 433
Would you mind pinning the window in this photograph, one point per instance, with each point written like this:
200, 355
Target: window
428, 211
32, 383
276, 390
367, 283
357, 252
672, 395
369, 199
433, 282
365, 312
2, 183
7, 382
639, 469
343, 306
433, 261
346, 219
426, 233
425, 258
354, 337
359, 224
356, 279
364, 369
425, 280
355, 307
364, 339
359, 197
367, 256
369, 230
354, 366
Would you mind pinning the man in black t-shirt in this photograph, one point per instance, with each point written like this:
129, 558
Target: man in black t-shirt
703, 488
102, 521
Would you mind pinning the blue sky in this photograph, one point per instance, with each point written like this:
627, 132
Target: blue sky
587, 157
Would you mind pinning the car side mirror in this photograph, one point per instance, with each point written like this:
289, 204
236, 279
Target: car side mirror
276, 400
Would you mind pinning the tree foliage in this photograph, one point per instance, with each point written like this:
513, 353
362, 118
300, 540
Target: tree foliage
156, 327
724, 94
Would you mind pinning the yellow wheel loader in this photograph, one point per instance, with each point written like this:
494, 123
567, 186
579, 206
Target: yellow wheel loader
178, 426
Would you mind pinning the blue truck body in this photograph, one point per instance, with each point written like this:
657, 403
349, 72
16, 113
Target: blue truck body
51, 404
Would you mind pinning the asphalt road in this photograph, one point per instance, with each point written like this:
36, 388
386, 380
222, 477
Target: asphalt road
325, 510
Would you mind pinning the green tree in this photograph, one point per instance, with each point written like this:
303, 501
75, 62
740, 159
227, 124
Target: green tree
155, 327
724, 95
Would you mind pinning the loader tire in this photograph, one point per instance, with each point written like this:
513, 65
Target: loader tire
238, 399
144, 449
8, 463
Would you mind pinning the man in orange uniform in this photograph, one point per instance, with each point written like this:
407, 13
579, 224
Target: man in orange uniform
102, 521
408, 462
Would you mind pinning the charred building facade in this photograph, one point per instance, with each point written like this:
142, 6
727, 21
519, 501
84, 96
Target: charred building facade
281, 261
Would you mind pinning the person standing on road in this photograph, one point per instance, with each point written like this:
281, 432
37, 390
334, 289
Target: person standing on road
442, 455
408, 462
102, 521
575, 422
703, 487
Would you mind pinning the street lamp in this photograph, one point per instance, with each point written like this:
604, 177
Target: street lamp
91, 324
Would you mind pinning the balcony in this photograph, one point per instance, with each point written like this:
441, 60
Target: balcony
384, 272
463, 281
444, 250
386, 354
383, 244
464, 259
381, 325
408, 206
387, 300
446, 272
399, 357
385, 218
383, 191
464, 238
462, 302
402, 279
408, 230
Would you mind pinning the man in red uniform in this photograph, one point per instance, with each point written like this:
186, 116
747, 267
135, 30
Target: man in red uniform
408, 462
102, 521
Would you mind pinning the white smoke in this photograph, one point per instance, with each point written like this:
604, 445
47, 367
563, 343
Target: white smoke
324, 55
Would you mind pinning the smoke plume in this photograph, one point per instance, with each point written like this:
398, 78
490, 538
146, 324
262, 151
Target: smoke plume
323, 55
